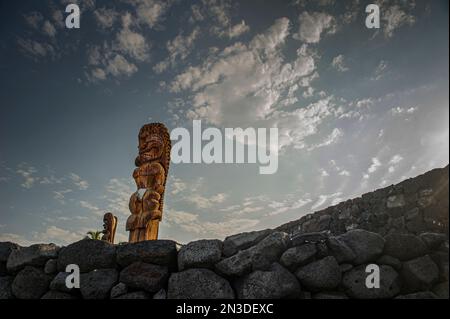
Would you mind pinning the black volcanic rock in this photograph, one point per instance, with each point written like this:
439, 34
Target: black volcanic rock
35, 255
30, 283
323, 274
98, 283
157, 252
198, 284
88, 254
354, 283
404, 246
275, 283
142, 276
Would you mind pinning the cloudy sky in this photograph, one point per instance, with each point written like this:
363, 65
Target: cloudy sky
356, 108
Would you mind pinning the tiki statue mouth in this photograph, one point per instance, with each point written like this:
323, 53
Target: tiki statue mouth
151, 148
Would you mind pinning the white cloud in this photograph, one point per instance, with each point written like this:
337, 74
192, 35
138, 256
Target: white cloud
57, 235
236, 30
15, 238
380, 70
244, 83
34, 19
206, 202
395, 17
130, 42
58, 19
179, 48
36, 49
334, 137
105, 17
402, 110
151, 12
78, 181
323, 199
313, 24
61, 195
177, 185
324, 173
193, 224
27, 172
339, 64
372, 168
49, 29
119, 193
294, 127
375, 165
344, 173
92, 208
396, 159
118, 58
118, 66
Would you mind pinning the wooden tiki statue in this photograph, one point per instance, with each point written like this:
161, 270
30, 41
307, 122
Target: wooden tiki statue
146, 204
109, 227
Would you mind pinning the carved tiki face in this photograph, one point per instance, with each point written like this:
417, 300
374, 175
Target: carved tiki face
151, 146
108, 220
154, 141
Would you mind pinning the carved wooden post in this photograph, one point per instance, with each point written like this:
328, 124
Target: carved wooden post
109, 227
146, 204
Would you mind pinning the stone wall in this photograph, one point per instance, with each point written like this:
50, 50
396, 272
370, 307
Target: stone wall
263, 264
321, 256
413, 206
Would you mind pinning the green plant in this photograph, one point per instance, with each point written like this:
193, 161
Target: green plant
94, 234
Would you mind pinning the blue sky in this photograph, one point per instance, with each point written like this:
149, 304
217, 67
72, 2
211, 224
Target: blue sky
356, 108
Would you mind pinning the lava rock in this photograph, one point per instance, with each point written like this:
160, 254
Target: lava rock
366, 246
275, 283
5, 250
259, 257
404, 246
198, 284
88, 254
30, 283
136, 295
313, 237
340, 250
322, 250
298, 256
433, 240
390, 261
354, 283
420, 274
272, 246
35, 255
97, 284
162, 294
330, 295
59, 283
345, 267
118, 290
157, 252
441, 260
395, 201
233, 244
441, 290
57, 295
200, 254
148, 277
236, 265
323, 274
51, 266
5, 287
419, 295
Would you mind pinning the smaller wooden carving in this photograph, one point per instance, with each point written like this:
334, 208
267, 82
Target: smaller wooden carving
109, 227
